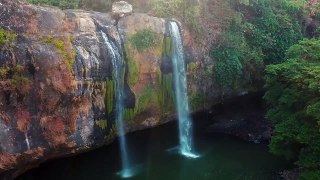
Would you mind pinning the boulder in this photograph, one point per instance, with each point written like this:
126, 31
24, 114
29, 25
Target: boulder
121, 9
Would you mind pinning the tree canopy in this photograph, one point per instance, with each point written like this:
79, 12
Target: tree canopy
293, 96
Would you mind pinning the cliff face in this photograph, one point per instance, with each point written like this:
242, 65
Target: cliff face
56, 83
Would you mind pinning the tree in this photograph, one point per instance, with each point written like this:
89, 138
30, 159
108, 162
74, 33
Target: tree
293, 96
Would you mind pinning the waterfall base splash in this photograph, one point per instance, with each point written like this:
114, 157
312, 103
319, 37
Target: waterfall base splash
126, 173
177, 150
130, 172
189, 155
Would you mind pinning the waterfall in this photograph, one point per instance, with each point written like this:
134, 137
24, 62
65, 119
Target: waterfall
180, 82
27, 140
117, 75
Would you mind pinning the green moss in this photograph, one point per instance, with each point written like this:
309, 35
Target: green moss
19, 81
165, 93
68, 54
108, 92
3, 72
192, 67
129, 114
149, 96
7, 38
159, 48
18, 68
143, 39
133, 70
103, 124
145, 98
168, 45
196, 101
112, 134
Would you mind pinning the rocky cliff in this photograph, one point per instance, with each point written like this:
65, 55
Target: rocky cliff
56, 82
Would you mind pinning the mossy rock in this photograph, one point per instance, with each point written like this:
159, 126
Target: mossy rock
143, 39
168, 45
64, 47
7, 38
103, 124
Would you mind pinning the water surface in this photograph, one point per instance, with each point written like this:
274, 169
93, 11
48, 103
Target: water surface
222, 158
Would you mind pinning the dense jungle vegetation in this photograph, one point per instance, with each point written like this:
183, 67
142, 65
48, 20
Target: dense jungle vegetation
259, 35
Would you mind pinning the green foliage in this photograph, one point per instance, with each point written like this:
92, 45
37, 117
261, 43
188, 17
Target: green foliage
97, 5
143, 39
314, 10
256, 37
186, 10
245, 2
165, 8
275, 28
7, 38
293, 95
227, 55
103, 124
307, 49
311, 175
63, 4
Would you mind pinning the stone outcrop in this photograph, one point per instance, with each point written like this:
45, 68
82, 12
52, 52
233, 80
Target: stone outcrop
121, 8
56, 82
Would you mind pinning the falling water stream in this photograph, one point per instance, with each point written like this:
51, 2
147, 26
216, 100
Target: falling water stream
180, 81
27, 140
117, 74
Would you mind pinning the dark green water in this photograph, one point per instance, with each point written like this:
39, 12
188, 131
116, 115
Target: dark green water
222, 158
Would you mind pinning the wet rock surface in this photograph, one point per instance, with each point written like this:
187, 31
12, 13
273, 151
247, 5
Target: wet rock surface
243, 117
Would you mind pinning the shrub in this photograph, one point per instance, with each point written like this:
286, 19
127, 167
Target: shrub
143, 39
97, 5
63, 4
186, 10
